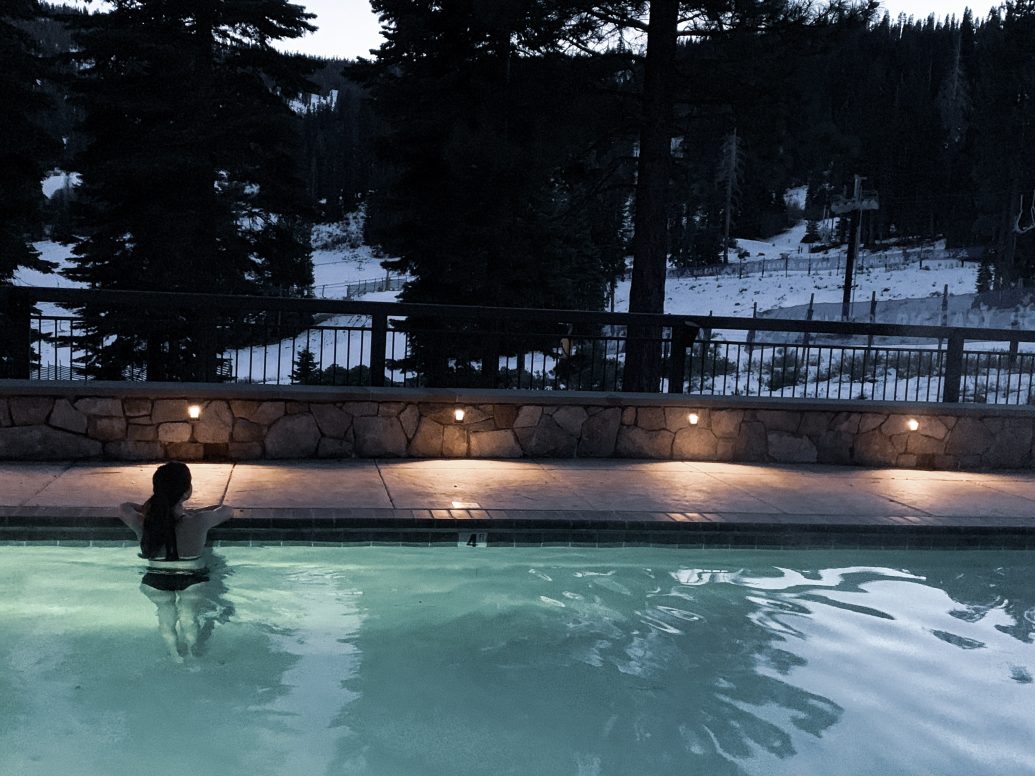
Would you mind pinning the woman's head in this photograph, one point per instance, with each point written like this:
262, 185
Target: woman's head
171, 483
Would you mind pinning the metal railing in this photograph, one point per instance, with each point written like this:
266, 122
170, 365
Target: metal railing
810, 263
209, 337
346, 289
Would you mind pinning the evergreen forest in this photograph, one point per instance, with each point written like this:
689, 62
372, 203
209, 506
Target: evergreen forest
511, 153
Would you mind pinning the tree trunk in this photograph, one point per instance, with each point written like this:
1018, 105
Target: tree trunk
650, 241
1007, 273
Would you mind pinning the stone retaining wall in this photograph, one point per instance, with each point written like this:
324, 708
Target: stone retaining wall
149, 422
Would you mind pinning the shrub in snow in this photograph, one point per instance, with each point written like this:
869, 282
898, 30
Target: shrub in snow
512, 378
787, 367
588, 369
706, 366
347, 233
339, 375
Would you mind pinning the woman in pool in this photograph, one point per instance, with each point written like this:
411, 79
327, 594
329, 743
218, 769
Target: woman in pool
172, 540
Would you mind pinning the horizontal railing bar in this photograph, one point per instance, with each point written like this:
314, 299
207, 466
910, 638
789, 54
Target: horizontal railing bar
81, 296
813, 346
856, 328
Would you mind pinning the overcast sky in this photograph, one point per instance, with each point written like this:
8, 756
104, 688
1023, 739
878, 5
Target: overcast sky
348, 28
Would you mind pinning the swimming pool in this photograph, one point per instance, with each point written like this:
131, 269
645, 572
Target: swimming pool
397, 661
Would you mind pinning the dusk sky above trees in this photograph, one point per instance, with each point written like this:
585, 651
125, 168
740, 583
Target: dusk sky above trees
348, 28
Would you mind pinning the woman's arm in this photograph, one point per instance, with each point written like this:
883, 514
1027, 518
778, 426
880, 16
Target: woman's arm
130, 514
211, 516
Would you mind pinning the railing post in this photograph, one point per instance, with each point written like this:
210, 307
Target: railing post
491, 354
683, 335
378, 335
15, 336
206, 346
751, 332
953, 367
808, 317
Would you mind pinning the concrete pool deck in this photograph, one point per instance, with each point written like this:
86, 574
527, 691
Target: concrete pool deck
610, 501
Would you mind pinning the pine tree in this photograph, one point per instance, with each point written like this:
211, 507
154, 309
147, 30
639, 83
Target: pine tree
666, 22
728, 175
642, 370
189, 170
53, 41
305, 369
26, 149
496, 161
955, 106
338, 137
1004, 165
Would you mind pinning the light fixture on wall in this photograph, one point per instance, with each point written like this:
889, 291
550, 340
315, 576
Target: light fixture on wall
458, 413
194, 411
913, 424
694, 418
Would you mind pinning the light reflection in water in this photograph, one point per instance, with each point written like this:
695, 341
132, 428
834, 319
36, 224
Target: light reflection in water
395, 662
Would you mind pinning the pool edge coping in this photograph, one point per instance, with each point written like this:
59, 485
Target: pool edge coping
83, 526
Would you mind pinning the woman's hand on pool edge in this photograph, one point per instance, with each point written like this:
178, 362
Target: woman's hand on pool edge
220, 513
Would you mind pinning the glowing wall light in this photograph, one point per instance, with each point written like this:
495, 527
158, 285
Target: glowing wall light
458, 413
694, 418
913, 424
194, 411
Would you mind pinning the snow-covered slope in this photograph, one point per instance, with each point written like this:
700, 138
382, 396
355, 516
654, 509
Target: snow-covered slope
730, 295
345, 267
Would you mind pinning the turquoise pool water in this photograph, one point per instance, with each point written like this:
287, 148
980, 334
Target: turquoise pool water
395, 661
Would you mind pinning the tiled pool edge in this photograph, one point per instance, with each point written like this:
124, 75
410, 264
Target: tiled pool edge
509, 528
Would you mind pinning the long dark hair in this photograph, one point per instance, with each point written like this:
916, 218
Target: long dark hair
171, 481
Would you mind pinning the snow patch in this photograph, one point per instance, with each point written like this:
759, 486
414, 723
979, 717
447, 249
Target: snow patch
59, 180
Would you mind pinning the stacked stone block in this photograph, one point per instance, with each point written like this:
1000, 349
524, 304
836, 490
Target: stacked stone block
135, 428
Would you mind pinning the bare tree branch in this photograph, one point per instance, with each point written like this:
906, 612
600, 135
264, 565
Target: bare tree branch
618, 21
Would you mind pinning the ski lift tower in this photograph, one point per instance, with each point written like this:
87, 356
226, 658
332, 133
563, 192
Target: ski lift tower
854, 206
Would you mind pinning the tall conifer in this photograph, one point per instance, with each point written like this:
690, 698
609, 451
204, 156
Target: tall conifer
661, 23
26, 150
1004, 122
495, 164
189, 170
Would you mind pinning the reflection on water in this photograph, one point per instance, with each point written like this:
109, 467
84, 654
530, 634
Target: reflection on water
396, 662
